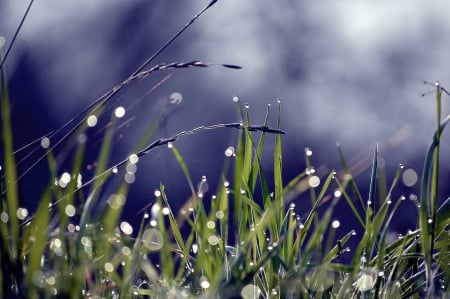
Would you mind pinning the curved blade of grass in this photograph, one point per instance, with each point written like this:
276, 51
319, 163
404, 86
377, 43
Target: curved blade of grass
427, 193
10, 182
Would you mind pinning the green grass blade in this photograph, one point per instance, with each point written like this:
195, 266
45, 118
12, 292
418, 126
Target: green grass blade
350, 179
10, 181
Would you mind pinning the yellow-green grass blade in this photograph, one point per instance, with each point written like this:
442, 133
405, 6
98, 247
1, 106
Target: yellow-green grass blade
10, 179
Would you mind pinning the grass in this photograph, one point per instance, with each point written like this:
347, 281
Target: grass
246, 241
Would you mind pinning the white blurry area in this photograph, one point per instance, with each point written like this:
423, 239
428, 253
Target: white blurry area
347, 71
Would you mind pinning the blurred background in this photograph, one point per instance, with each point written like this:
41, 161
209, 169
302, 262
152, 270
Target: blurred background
347, 72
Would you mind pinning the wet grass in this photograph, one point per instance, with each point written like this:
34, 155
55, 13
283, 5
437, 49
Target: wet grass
244, 241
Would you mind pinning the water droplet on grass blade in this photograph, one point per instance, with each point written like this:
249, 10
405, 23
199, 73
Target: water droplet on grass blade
91, 121
4, 217
45, 142
308, 152
126, 228
176, 98
70, 210
22, 213
229, 151
235, 99
119, 112
314, 181
335, 224
213, 240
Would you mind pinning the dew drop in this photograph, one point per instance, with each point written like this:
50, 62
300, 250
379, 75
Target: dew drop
246, 106
229, 152
314, 181
155, 211
337, 193
45, 142
220, 214
70, 210
213, 240
133, 158
165, 211
211, 224
109, 267
430, 221
204, 283
91, 121
22, 213
169, 145
335, 224
4, 217
226, 184
119, 112
64, 180
126, 228
235, 99
176, 98
157, 193
126, 250
308, 152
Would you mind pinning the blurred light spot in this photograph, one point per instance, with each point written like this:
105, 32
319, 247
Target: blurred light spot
91, 121
51, 280
250, 291
115, 201
129, 177
4, 217
45, 142
126, 250
70, 210
109, 267
22, 213
131, 168
152, 239
220, 214
335, 224
365, 282
314, 181
176, 98
409, 177
155, 211
126, 228
64, 180
165, 211
119, 112
204, 283
133, 158
213, 240
71, 228
211, 224
337, 193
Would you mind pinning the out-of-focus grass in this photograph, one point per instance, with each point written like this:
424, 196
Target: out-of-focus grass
245, 241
